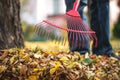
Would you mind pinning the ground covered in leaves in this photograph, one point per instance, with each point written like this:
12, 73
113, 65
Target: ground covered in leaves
35, 64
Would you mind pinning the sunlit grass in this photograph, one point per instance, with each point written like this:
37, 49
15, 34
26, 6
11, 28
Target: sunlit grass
47, 46
115, 44
51, 46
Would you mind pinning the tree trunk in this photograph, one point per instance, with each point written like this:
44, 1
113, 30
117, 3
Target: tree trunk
11, 35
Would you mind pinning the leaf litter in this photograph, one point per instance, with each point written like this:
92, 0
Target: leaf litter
35, 64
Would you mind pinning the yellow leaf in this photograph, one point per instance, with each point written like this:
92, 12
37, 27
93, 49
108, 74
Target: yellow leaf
71, 64
2, 69
13, 70
12, 60
96, 78
21, 55
64, 58
52, 53
52, 71
26, 57
10, 50
38, 69
33, 77
22, 50
35, 69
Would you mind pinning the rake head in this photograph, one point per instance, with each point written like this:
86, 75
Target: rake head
60, 27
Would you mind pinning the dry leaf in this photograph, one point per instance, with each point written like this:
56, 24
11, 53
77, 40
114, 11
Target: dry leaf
2, 69
33, 77
23, 70
55, 68
37, 55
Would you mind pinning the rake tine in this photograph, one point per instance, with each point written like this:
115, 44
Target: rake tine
55, 39
87, 37
76, 39
36, 29
59, 40
95, 38
72, 39
92, 38
55, 42
83, 41
80, 37
52, 36
39, 32
72, 34
48, 35
76, 36
42, 33
63, 41
80, 40
68, 35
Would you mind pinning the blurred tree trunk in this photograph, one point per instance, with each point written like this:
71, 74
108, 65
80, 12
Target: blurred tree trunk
10, 27
119, 3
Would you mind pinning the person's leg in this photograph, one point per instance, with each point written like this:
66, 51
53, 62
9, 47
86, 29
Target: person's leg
75, 46
99, 11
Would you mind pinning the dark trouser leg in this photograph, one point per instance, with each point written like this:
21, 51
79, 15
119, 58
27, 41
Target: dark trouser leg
99, 11
74, 46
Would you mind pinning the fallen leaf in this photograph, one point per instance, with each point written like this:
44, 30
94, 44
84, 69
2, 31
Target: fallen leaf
33, 77
2, 69
55, 68
87, 61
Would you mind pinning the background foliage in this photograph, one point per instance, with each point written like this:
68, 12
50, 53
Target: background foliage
116, 30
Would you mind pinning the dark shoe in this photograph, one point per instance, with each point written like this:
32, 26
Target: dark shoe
115, 56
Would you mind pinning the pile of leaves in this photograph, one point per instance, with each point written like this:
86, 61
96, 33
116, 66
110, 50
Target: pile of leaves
26, 64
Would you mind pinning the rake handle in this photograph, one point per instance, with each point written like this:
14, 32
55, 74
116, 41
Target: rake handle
76, 5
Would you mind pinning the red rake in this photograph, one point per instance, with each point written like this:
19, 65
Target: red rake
59, 27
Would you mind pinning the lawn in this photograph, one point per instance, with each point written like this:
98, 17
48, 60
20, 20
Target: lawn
52, 46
